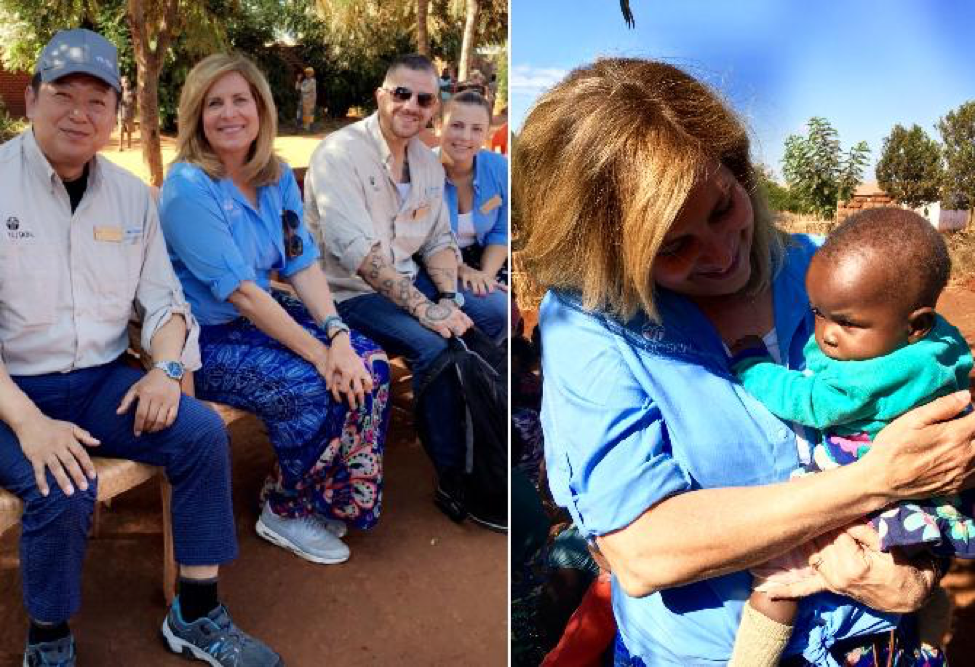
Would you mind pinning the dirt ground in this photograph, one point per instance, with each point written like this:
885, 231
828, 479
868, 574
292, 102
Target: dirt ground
958, 305
295, 149
418, 590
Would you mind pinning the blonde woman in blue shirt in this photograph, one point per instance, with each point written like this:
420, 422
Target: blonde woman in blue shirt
643, 220
231, 213
476, 194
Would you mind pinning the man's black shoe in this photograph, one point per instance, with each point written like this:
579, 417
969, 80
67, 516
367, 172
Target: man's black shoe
449, 497
491, 517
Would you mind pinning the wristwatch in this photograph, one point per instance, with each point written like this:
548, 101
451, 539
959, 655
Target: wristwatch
173, 369
333, 326
456, 297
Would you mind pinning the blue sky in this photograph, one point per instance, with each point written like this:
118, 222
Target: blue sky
862, 64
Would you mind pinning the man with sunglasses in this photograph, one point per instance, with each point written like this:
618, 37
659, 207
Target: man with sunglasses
374, 200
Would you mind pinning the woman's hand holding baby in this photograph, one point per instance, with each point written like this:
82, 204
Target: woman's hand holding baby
925, 452
849, 562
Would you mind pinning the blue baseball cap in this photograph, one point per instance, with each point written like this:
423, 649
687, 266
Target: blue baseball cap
79, 52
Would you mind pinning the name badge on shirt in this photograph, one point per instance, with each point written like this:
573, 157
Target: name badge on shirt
491, 204
108, 234
420, 213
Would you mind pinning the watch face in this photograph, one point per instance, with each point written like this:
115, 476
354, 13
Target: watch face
173, 369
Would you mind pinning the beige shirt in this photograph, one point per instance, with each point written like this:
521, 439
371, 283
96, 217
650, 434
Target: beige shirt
352, 204
68, 283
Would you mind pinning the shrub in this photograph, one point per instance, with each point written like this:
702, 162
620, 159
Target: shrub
10, 126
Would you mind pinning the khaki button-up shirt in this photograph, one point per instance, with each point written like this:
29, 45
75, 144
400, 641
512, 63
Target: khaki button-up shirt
352, 203
68, 282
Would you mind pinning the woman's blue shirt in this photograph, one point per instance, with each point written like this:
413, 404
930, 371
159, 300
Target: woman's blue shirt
490, 199
634, 413
217, 239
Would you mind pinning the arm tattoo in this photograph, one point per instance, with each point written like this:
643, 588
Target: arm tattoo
387, 281
444, 279
435, 313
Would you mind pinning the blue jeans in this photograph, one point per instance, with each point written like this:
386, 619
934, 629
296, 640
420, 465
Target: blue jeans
440, 406
489, 312
193, 452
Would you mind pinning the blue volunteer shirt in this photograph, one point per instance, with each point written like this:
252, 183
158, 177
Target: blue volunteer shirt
634, 413
490, 199
217, 239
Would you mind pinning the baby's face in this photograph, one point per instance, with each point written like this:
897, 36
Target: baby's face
855, 317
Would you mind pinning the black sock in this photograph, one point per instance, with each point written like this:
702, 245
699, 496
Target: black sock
39, 633
197, 598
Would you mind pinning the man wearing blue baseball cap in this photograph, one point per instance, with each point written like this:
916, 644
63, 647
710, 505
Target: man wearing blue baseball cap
81, 247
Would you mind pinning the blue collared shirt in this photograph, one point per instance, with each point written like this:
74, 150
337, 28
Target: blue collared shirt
217, 239
634, 413
490, 199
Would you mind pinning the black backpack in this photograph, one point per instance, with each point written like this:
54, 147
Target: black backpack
481, 368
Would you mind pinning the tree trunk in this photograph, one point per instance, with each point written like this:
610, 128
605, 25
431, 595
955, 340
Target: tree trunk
149, 124
149, 62
422, 39
468, 45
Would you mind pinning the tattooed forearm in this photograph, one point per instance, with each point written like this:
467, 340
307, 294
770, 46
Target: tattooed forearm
387, 281
442, 268
445, 279
435, 313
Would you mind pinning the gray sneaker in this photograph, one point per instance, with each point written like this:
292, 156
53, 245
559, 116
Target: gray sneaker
307, 537
59, 653
336, 527
215, 640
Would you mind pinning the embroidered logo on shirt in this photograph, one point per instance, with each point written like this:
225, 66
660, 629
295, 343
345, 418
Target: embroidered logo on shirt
656, 337
14, 232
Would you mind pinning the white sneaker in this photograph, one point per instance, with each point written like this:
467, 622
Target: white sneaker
307, 537
336, 527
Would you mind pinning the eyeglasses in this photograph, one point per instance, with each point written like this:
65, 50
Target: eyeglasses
404, 94
293, 245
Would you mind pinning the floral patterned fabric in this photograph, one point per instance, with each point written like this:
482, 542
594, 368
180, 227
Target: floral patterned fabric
945, 525
871, 653
329, 457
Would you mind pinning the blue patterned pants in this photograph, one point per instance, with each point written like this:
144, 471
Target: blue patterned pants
329, 457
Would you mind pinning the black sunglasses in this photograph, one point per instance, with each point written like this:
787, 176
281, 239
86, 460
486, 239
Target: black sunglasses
293, 245
403, 94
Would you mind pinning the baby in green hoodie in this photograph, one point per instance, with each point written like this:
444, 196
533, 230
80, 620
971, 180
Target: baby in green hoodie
879, 349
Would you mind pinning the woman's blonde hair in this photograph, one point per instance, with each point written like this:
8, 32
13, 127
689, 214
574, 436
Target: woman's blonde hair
601, 169
262, 166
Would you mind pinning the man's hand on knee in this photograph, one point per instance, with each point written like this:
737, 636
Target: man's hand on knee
51, 444
445, 320
158, 402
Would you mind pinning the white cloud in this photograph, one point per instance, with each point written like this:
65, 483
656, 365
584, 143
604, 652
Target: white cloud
534, 80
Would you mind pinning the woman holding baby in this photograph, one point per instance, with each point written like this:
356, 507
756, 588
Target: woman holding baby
650, 235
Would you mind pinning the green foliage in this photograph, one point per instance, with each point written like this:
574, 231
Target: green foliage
909, 169
10, 127
817, 171
348, 42
28, 25
778, 197
957, 130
